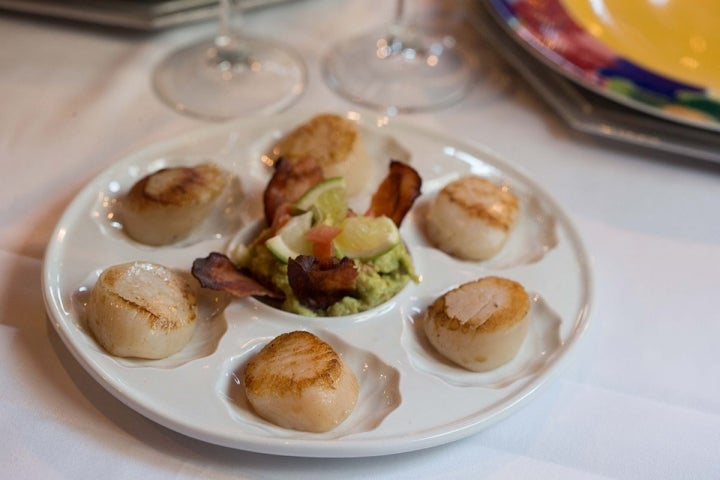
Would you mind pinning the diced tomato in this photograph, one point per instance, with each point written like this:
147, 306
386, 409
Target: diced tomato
322, 233
321, 236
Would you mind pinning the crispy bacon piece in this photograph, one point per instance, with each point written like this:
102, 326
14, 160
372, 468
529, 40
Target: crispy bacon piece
318, 283
397, 192
216, 271
289, 181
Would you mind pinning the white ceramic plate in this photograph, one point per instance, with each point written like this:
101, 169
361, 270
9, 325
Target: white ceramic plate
410, 398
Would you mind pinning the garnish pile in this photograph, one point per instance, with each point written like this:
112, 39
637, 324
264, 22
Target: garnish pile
316, 256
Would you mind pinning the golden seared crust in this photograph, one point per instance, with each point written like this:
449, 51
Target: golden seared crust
152, 290
486, 305
178, 186
328, 138
291, 363
165, 206
142, 309
482, 199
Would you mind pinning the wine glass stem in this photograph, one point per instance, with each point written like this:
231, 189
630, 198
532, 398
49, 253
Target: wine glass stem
402, 36
399, 12
230, 19
405, 12
229, 51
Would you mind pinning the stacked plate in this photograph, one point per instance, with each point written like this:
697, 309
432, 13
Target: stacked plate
133, 14
634, 71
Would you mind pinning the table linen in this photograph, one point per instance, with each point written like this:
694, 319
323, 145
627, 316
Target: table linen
639, 399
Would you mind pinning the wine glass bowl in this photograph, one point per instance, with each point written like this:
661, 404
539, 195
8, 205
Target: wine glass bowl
230, 75
401, 67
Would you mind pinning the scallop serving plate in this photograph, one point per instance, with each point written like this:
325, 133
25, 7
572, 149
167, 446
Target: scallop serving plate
405, 386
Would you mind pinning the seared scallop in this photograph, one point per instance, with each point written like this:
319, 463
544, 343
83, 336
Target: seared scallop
298, 381
335, 143
479, 325
165, 206
471, 218
142, 309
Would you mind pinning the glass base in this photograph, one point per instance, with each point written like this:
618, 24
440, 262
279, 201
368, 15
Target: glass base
253, 77
401, 71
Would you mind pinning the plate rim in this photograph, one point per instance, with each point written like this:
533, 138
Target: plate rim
589, 113
503, 13
357, 447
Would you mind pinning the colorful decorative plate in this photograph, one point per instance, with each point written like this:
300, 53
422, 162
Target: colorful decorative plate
658, 56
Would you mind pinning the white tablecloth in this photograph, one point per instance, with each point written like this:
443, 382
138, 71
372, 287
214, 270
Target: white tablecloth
639, 399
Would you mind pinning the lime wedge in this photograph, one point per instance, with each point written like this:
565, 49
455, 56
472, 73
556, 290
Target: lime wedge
328, 201
366, 238
290, 240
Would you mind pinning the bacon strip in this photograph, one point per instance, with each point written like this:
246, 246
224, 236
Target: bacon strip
216, 271
289, 181
318, 283
397, 192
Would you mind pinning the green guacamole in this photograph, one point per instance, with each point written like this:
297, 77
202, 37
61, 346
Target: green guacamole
378, 280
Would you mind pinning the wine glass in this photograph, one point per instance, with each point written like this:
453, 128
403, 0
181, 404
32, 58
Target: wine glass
401, 67
230, 75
